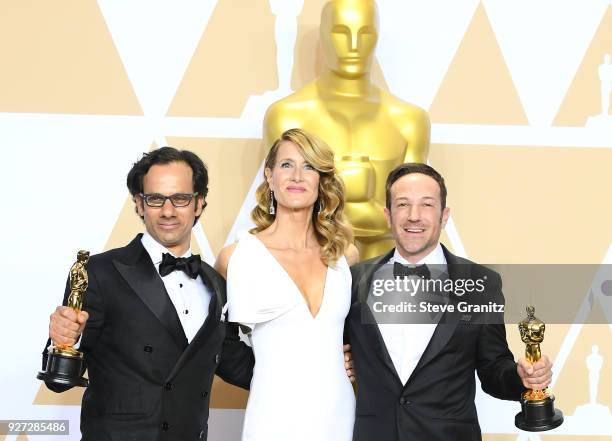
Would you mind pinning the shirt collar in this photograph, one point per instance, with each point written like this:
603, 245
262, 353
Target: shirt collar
156, 250
435, 257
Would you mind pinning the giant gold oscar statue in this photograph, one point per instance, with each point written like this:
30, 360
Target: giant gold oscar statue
370, 130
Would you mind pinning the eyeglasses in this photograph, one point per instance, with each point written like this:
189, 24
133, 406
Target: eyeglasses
157, 200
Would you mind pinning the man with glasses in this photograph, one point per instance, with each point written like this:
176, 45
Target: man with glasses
153, 327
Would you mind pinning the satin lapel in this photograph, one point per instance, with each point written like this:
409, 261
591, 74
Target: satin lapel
448, 322
214, 315
145, 281
210, 278
372, 330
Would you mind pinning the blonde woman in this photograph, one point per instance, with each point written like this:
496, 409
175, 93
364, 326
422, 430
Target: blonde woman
289, 284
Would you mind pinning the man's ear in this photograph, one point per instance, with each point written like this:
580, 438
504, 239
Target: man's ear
445, 215
388, 216
138, 205
199, 205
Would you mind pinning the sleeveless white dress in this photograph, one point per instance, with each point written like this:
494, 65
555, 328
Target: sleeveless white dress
300, 390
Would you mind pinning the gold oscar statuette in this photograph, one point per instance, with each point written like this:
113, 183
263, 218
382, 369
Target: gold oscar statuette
370, 130
64, 363
538, 411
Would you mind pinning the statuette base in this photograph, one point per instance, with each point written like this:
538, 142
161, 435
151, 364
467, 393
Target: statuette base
64, 369
538, 416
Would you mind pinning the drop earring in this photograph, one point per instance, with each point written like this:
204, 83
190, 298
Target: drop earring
271, 210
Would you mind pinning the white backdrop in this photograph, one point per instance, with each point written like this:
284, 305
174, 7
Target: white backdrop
67, 146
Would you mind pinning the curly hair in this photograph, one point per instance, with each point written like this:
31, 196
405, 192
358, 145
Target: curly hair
332, 230
167, 155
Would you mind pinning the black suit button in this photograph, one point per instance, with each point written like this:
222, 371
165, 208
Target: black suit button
148, 348
204, 394
404, 401
217, 358
168, 386
202, 435
165, 426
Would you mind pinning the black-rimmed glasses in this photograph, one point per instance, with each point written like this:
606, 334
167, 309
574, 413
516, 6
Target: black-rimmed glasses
178, 200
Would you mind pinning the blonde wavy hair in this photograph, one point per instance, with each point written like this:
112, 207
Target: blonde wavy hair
332, 230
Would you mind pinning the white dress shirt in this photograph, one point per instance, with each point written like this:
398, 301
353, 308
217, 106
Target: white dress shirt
190, 297
407, 342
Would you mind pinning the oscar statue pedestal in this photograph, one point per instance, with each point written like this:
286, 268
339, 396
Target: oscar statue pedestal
538, 415
64, 367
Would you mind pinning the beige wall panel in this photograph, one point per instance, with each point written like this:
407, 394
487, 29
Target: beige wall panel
497, 437
529, 204
583, 96
478, 88
544, 437
72, 397
236, 58
58, 57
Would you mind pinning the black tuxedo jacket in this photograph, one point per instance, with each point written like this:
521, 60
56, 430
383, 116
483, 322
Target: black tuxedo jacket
145, 381
437, 401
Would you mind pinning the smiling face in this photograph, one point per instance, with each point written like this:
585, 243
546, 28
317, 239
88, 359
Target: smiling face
349, 31
416, 218
169, 225
293, 180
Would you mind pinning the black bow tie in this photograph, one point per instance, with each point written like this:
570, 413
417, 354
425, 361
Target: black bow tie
189, 265
400, 270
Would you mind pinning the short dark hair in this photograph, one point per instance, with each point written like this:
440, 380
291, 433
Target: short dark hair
166, 155
414, 167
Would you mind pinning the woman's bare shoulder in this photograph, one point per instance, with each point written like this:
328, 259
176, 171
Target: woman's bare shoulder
223, 259
352, 254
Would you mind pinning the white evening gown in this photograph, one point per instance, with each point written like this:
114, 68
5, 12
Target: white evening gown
300, 390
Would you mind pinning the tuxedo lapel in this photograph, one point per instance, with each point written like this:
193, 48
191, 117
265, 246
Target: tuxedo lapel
372, 330
139, 272
369, 269
210, 278
448, 322
216, 302
215, 308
